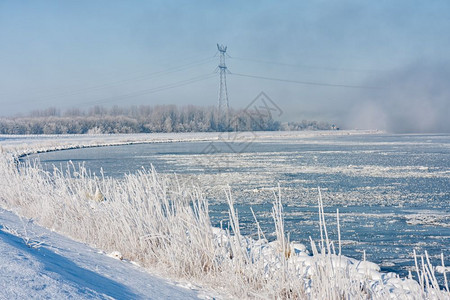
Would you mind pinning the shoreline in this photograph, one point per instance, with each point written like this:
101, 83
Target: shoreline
18, 144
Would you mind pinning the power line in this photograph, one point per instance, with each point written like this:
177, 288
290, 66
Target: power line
151, 75
223, 94
152, 90
306, 66
154, 74
307, 82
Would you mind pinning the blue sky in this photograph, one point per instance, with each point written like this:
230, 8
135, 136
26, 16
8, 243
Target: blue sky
82, 53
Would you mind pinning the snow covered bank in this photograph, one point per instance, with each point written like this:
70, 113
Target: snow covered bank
60, 268
165, 225
27, 144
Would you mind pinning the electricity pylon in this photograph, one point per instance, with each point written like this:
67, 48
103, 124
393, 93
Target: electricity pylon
223, 93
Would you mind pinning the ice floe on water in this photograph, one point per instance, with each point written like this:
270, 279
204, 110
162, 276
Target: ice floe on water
429, 219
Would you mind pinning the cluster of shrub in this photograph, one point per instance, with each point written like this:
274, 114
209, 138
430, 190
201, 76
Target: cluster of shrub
146, 119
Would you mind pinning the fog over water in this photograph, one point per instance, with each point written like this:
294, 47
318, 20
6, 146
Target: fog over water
411, 99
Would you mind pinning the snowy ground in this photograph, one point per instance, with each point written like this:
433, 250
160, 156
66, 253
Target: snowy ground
61, 268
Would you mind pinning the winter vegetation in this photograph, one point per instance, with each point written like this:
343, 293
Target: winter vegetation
146, 119
37, 263
163, 224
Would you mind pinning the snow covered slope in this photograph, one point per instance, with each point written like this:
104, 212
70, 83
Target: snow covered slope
61, 268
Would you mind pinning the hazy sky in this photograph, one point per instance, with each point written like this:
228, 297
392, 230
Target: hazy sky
68, 54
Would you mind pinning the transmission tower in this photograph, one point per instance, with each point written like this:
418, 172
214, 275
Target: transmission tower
223, 93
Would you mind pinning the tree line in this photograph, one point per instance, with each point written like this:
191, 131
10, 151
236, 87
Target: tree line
147, 119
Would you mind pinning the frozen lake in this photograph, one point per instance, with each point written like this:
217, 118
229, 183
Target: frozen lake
392, 191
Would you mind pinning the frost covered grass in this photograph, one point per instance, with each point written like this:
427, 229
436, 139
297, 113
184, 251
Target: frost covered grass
164, 225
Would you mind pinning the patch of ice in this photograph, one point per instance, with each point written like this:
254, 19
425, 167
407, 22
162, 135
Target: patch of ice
441, 269
434, 219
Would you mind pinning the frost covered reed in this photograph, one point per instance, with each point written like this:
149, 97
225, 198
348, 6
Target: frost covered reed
164, 225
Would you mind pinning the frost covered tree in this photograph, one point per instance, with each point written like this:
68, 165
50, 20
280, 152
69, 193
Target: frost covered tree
146, 119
